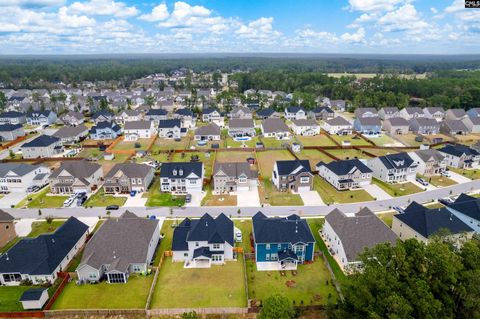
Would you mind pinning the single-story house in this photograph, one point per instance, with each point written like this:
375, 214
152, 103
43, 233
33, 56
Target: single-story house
210, 132
72, 134
275, 127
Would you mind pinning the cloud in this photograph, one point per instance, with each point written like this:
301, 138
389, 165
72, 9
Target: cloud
31, 3
403, 19
357, 37
159, 13
103, 8
261, 28
373, 5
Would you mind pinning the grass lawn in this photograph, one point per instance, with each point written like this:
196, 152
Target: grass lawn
314, 156
317, 140
347, 154
434, 205
271, 142
90, 152
218, 200
157, 198
219, 286
43, 227
468, 139
230, 142
380, 151
99, 199
10, 296
245, 225
269, 194
469, 173
330, 195
166, 241
205, 157
308, 287
353, 141
387, 217
232, 156
397, 189
127, 145
267, 159
409, 139
439, 181
42, 200
163, 144
385, 140
132, 295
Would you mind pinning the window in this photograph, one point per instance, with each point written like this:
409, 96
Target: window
304, 180
92, 276
134, 181
274, 257
267, 257
267, 246
139, 181
279, 246
185, 254
136, 268
242, 180
216, 246
197, 244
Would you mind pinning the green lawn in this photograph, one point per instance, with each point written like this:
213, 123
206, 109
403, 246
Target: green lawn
157, 198
330, 195
318, 140
358, 141
439, 181
314, 156
267, 159
245, 225
42, 200
127, 145
232, 156
132, 295
347, 154
397, 189
166, 242
269, 194
205, 157
10, 296
99, 199
90, 152
469, 173
384, 140
271, 142
387, 218
43, 227
163, 144
218, 286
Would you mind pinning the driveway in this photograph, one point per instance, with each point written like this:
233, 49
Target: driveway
248, 198
135, 201
91, 222
458, 178
196, 200
311, 198
11, 199
376, 192
23, 227
429, 187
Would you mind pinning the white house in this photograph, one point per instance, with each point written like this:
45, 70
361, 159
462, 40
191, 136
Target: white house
338, 125
182, 177
295, 113
345, 174
306, 127
139, 129
393, 168
18, 177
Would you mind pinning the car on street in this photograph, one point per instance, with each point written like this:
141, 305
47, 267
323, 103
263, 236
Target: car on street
112, 207
398, 209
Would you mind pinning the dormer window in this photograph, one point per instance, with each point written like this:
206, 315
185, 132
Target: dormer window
174, 172
180, 172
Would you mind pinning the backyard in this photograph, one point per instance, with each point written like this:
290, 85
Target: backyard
271, 142
385, 140
219, 286
156, 198
99, 199
127, 145
163, 144
132, 295
347, 154
314, 156
267, 159
353, 139
317, 140
396, 190
245, 226
10, 296
42, 200
232, 156
330, 195
231, 143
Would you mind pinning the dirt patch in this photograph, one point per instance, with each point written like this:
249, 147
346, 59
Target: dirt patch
291, 283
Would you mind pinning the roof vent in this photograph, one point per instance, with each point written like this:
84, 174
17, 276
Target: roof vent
7, 258
53, 240
114, 255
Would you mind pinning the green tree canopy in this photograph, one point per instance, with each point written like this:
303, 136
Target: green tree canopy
277, 307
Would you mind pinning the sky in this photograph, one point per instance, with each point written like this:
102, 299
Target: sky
240, 26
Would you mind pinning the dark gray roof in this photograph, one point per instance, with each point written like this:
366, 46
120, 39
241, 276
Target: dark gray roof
11, 114
293, 167
181, 169
364, 230
390, 110
235, 169
184, 112
70, 131
343, 167
39, 114
396, 161
20, 169
131, 170
272, 125
369, 121
458, 150
359, 112
455, 125
427, 154
32, 294
305, 122
210, 129
435, 109
209, 110
9, 127
42, 141
169, 123
79, 169
138, 125
457, 112
337, 121
413, 110
276, 230
5, 217
293, 109
105, 114
265, 112
43, 254
76, 115
125, 240
397, 121
467, 205
157, 112
425, 122
240, 123
427, 222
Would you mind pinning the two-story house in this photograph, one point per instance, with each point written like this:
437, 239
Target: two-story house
292, 175
18, 177
42, 146
73, 118
126, 177
240, 113
212, 115
128, 116
10, 132
201, 243
308, 127
156, 115
345, 174
460, 156
275, 127
295, 113
430, 162
105, 131
41, 118
281, 243
338, 125
182, 177
322, 113
75, 177
233, 177
396, 126
7, 224
388, 112
455, 114
241, 127
425, 125
436, 113
12, 117
454, 127
393, 168
467, 208
186, 116
362, 112
210, 132
171, 129
409, 113
102, 116
135, 130
71, 134
368, 125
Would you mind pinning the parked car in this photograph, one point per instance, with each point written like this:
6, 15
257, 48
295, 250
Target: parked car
188, 198
112, 207
133, 193
32, 189
445, 201
68, 202
421, 181
398, 209
445, 173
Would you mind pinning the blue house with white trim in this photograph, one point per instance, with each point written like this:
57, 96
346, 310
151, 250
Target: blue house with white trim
281, 243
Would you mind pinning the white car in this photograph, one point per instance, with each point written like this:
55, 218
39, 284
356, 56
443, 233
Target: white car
445, 173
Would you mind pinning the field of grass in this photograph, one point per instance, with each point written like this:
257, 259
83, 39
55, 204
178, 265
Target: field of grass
267, 159
127, 145
163, 144
330, 195
385, 140
439, 181
271, 142
218, 286
318, 140
387, 217
380, 151
468, 173
314, 156
218, 200
157, 198
99, 199
44, 227
10, 296
42, 200
132, 295
409, 140
229, 156
166, 241
353, 141
90, 152
397, 189
347, 154
269, 195
468, 139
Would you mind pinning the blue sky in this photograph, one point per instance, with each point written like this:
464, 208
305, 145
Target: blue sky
286, 26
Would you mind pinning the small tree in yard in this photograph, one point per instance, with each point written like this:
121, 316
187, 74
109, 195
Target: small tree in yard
239, 212
277, 307
189, 315
11, 154
39, 212
49, 219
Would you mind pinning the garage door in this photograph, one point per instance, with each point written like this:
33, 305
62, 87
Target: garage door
304, 189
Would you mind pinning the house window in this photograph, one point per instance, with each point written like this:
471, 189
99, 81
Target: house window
216, 246
267, 246
185, 254
242, 180
139, 181
136, 268
267, 257
274, 257
304, 180
279, 246
134, 181
197, 244
92, 276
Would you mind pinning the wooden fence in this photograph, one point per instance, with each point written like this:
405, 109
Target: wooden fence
14, 142
201, 311
59, 290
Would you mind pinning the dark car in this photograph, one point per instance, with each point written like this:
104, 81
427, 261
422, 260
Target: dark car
112, 207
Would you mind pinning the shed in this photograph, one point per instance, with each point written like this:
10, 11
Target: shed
34, 298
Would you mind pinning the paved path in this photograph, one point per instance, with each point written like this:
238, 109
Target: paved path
429, 187
311, 198
11, 199
378, 205
376, 192
458, 178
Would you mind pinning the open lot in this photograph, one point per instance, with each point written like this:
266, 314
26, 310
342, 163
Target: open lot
444, 137
232, 156
267, 159
132, 295
42, 199
99, 199
163, 144
397, 189
330, 195
347, 154
219, 286
157, 198
269, 195
354, 140
90, 153
314, 156
317, 140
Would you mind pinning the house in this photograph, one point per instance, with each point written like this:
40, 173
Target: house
424, 126
18, 177
455, 114
186, 116
473, 112
127, 177
182, 177
12, 117
368, 125
73, 118
472, 124
156, 115
388, 113
347, 237
42, 146
321, 113
338, 125
201, 243
135, 130
295, 113
396, 126
128, 116
409, 113
274, 127
210, 132
39, 259
436, 113
233, 177
10, 132
393, 168
460, 156
120, 247
71, 134
345, 174
34, 298
453, 127
293, 175
267, 113
102, 116
241, 127
171, 129
281, 243
363, 112
75, 177
8, 228
41, 118
240, 113
338, 105
422, 223
211, 115
430, 162
306, 127
105, 131
467, 209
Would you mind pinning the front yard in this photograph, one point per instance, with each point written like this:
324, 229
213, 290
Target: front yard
330, 195
218, 200
396, 190
99, 199
132, 295
219, 286
43, 227
157, 198
468, 173
269, 195
42, 199
439, 181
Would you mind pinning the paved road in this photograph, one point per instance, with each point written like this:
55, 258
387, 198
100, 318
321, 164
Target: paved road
379, 205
